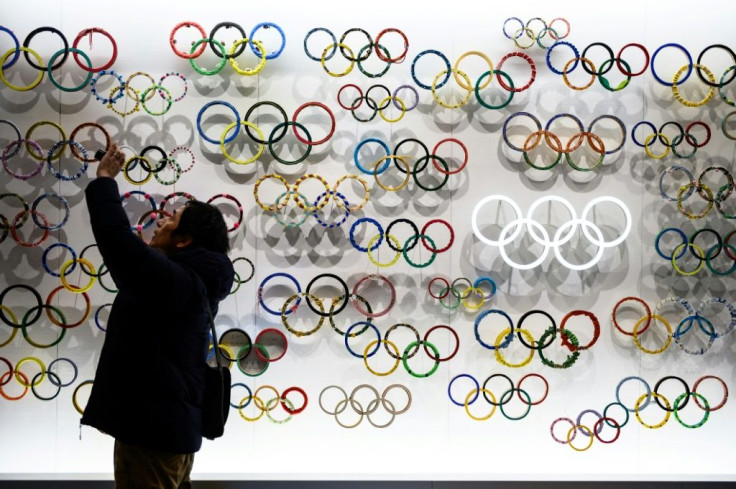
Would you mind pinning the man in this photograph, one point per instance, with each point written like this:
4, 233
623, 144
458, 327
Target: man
149, 384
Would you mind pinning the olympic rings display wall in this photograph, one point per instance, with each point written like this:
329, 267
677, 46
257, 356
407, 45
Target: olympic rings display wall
469, 244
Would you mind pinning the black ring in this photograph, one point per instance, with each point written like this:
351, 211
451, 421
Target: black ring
410, 140
388, 231
49, 373
369, 100
233, 331
375, 111
215, 47
700, 70
339, 309
32, 34
610, 56
87, 272
521, 336
401, 355
342, 49
691, 241
161, 164
32, 291
687, 392
74, 365
511, 383
661, 133
283, 114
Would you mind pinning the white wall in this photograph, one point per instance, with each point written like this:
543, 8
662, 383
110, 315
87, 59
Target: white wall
434, 439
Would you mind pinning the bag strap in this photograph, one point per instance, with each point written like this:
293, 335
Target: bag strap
216, 346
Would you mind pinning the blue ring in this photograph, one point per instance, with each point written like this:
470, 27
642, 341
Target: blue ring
521, 23
199, 121
332, 225
506, 123
63, 201
690, 319
17, 48
357, 150
111, 100
74, 366
486, 280
685, 241
571, 116
414, 75
574, 50
250, 395
145, 195
273, 275
352, 234
45, 264
668, 171
274, 54
97, 317
50, 156
334, 43
506, 340
633, 131
689, 61
634, 377
362, 323
449, 389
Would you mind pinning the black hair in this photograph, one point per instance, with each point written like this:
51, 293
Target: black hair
205, 225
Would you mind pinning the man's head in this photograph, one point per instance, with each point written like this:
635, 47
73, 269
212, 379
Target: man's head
193, 224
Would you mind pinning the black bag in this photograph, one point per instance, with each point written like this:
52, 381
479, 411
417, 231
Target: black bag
216, 402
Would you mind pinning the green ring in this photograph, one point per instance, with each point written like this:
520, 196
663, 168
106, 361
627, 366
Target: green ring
23, 327
237, 283
60, 86
528, 403
570, 358
177, 173
511, 92
217, 68
263, 351
705, 417
416, 179
406, 256
675, 142
374, 75
278, 215
273, 153
99, 280
621, 425
604, 81
405, 357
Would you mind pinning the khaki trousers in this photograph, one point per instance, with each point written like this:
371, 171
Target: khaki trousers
142, 468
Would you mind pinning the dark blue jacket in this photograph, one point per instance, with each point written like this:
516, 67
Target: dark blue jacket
149, 383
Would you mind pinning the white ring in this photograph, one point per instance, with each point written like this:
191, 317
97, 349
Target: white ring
520, 266
476, 211
623, 207
595, 259
551, 198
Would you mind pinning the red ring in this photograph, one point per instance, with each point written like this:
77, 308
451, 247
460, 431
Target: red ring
3, 382
450, 140
428, 247
694, 143
89, 32
258, 350
726, 245
526, 58
635, 299
446, 289
620, 66
454, 333
601, 420
695, 389
67, 326
360, 100
596, 329
295, 410
13, 229
399, 59
546, 388
332, 129
172, 41
10, 370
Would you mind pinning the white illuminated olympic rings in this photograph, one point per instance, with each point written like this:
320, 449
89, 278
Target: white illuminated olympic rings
541, 236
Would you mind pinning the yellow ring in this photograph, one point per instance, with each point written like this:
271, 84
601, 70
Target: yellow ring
667, 410
135, 108
439, 100
478, 293
277, 206
402, 184
674, 259
297, 198
667, 326
363, 182
38, 124
397, 355
388, 99
676, 89
459, 80
324, 55
71, 288
137, 93
590, 65
244, 401
29, 359
649, 139
252, 71
477, 392
224, 136
15, 321
74, 397
34, 83
285, 307
499, 340
396, 244
570, 438
262, 406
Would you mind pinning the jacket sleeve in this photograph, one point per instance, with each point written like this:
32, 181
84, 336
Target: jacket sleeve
134, 266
